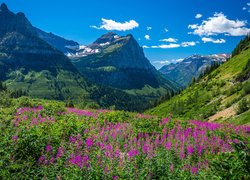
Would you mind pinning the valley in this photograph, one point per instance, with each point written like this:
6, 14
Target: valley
102, 110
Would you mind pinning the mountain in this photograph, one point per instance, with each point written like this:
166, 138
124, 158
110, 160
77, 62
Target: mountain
63, 45
119, 62
222, 95
183, 72
31, 64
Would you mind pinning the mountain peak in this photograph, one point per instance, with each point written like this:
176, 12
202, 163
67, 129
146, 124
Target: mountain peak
4, 7
108, 37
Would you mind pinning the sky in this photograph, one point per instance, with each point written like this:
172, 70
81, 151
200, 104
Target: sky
168, 30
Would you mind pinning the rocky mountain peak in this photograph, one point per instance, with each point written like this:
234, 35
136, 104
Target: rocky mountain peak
108, 37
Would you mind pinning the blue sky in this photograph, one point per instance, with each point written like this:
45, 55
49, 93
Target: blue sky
168, 29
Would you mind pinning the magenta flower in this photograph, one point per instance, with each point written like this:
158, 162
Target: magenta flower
168, 145
48, 148
59, 152
89, 142
194, 170
190, 150
133, 152
41, 159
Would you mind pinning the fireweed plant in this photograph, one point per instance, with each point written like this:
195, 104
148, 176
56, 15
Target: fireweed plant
102, 144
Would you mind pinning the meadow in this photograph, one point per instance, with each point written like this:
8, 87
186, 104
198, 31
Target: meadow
46, 140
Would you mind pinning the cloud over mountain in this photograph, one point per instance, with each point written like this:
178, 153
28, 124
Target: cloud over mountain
109, 24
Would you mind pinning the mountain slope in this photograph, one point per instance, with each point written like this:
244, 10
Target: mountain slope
63, 45
217, 92
183, 72
29, 63
119, 61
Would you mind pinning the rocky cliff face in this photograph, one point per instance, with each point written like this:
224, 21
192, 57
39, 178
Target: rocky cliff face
118, 61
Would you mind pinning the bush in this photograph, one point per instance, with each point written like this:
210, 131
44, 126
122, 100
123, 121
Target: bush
243, 106
246, 88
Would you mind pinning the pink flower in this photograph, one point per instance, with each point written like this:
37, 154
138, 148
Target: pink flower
14, 138
194, 170
190, 150
168, 145
59, 152
48, 148
89, 142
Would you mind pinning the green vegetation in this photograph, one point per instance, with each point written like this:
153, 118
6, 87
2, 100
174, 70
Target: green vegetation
243, 45
42, 139
219, 89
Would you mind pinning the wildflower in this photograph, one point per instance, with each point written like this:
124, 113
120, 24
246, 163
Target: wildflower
72, 139
89, 142
133, 152
190, 150
194, 170
171, 167
145, 148
14, 138
168, 145
115, 177
59, 152
41, 159
48, 148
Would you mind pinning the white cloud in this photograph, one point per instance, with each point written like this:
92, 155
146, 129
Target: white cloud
220, 24
159, 64
193, 26
149, 28
145, 47
187, 44
198, 16
162, 62
166, 46
165, 29
147, 37
109, 24
216, 41
175, 45
247, 8
173, 40
179, 60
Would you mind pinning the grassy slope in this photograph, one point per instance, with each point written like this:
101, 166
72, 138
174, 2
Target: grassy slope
213, 93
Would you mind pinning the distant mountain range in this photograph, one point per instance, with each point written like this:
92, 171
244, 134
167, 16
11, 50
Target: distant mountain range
192, 66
